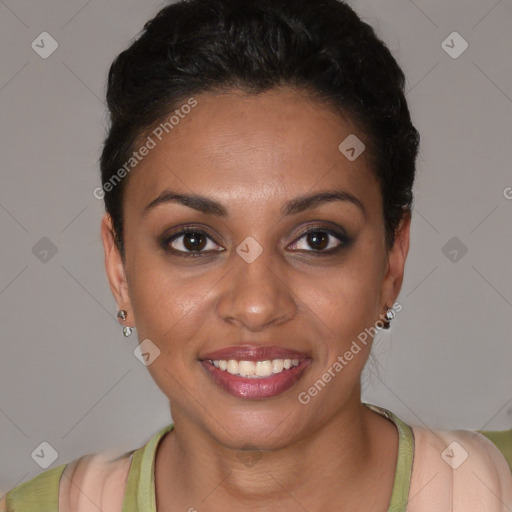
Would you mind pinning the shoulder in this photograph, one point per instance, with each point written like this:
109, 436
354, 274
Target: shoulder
459, 470
97, 479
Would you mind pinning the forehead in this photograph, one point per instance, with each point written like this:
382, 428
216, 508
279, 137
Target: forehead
238, 147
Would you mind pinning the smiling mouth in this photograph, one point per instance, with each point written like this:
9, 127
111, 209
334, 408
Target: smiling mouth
255, 379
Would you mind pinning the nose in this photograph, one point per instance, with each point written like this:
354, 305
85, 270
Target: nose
255, 295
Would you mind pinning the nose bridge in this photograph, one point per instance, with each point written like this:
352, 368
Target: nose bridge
255, 295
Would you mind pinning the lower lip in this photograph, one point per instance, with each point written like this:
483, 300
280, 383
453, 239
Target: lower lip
256, 388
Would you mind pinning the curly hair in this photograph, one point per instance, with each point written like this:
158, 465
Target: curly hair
320, 46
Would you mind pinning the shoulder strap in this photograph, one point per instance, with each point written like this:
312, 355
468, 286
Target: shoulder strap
458, 471
38, 494
94, 482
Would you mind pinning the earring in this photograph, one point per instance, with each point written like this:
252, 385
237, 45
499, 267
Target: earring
390, 314
126, 330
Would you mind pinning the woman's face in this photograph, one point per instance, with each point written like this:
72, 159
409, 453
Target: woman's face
252, 276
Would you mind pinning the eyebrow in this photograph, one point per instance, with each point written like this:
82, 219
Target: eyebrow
210, 207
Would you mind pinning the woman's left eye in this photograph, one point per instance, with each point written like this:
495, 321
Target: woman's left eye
321, 240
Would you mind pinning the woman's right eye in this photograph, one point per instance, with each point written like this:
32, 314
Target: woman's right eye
190, 242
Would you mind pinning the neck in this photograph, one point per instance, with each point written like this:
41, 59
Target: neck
330, 463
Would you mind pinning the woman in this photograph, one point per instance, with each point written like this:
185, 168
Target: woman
257, 179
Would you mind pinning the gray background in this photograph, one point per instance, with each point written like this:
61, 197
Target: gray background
67, 375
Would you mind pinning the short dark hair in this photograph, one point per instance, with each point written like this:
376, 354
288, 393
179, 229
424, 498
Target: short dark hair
320, 46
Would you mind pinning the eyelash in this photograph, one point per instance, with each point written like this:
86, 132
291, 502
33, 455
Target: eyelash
344, 240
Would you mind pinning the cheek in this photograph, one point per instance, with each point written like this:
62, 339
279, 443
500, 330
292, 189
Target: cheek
349, 295
344, 313
170, 310
169, 304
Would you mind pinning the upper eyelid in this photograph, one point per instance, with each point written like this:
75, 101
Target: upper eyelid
328, 229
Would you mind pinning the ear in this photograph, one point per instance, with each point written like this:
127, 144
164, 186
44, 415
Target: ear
114, 265
396, 256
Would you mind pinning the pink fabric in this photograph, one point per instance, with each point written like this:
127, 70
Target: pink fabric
94, 482
482, 482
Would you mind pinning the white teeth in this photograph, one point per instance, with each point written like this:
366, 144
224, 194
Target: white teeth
277, 365
255, 369
263, 368
232, 367
246, 368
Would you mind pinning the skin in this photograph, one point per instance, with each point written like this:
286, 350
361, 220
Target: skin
252, 154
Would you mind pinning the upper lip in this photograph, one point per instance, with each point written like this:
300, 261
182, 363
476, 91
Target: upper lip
253, 353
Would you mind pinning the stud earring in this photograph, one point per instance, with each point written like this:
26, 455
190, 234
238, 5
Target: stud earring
126, 330
390, 314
